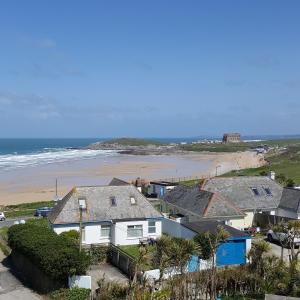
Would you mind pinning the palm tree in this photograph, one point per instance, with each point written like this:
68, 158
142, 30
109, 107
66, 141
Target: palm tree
162, 254
208, 244
181, 252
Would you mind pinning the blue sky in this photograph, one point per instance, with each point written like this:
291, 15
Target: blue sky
149, 68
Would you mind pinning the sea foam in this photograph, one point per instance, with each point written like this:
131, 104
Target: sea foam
48, 156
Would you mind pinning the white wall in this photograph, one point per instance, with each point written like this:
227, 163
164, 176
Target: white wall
120, 232
175, 229
92, 233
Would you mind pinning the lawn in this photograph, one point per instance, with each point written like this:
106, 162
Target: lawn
287, 163
25, 209
133, 251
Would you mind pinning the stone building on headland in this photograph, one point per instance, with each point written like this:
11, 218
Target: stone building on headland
232, 138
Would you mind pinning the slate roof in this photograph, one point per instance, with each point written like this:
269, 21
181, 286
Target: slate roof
211, 227
99, 208
239, 191
117, 182
290, 200
202, 203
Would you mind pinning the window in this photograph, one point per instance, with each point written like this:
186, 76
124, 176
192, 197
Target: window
135, 231
132, 201
105, 230
255, 191
83, 234
82, 203
268, 191
113, 201
151, 227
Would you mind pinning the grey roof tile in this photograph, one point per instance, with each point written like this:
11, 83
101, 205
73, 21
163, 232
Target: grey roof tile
202, 203
99, 208
290, 200
211, 227
239, 191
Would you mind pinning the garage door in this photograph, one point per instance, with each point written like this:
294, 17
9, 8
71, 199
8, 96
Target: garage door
232, 252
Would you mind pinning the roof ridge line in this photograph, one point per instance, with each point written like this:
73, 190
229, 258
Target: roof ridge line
208, 206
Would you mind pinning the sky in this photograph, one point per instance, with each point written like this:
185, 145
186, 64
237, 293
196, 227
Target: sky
149, 68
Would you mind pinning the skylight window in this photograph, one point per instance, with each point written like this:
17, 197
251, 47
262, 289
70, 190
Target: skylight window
132, 201
113, 201
82, 203
268, 191
255, 191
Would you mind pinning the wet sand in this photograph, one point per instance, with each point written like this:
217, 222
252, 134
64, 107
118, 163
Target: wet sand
37, 183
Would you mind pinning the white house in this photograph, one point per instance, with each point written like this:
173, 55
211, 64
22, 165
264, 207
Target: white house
120, 215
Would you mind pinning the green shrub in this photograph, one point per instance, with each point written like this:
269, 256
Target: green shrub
72, 235
56, 256
70, 294
98, 254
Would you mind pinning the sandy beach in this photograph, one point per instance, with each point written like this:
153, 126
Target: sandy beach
37, 183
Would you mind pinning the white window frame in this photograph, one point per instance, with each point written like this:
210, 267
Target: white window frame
105, 228
151, 227
132, 200
134, 231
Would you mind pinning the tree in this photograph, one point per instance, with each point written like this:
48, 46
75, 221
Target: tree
256, 256
208, 244
141, 262
181, 251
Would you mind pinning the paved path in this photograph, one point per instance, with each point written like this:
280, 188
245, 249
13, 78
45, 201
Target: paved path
108, 272
10, 287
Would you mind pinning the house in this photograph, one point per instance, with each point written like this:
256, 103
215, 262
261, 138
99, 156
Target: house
120, 215
160, 188
289, 205
195, 204
118, 182
233, 252
231, 138
250, 194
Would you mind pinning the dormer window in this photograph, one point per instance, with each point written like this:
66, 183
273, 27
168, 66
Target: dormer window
113, 201
268, 191
132, 200
255, 191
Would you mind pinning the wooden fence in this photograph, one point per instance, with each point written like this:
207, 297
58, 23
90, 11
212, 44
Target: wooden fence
121, 260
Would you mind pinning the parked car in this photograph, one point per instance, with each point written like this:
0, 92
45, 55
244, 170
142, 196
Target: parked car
281, 237
2, 216
42, 211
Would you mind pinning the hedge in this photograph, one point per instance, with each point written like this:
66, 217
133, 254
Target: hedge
56, 256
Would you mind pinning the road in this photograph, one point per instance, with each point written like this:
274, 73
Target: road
10, 287
10, 222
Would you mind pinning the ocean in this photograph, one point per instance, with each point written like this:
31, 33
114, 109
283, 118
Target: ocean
19, 153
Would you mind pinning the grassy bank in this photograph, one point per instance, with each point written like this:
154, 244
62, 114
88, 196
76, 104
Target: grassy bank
235, 147
24, 209
286, 163
132, 142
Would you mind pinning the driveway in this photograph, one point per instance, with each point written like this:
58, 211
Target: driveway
10, 287
276, 250
108, 272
